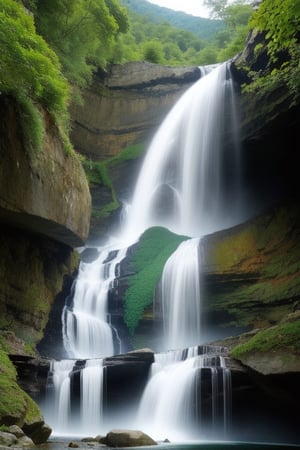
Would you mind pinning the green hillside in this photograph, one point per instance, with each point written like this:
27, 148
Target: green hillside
201, 27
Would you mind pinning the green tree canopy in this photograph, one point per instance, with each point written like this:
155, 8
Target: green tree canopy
30, 71
81, 32
279, 20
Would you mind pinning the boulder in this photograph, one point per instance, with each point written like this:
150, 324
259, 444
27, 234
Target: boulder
127, 438
7, 439
38, 431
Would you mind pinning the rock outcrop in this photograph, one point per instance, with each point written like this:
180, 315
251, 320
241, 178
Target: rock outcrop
126, 105
44, 213
44, 192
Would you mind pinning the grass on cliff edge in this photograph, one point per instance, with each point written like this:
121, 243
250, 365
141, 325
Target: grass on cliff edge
16, 407
285, 336
154, 248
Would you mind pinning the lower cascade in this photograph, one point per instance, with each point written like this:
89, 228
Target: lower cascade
187, 391
190, 184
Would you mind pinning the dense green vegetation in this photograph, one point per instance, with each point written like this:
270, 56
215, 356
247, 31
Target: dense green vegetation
82, 33
285, 336
154, 248
279, 20
30, 72
168, 37
201, 27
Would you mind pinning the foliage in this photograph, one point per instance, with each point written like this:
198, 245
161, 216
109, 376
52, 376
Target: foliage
279, 20
153, 52
97, 173
154, 36
154, 248
81, 32
200, 27
283, 336
30, 72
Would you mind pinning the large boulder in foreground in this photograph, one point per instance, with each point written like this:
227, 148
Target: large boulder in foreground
127, 438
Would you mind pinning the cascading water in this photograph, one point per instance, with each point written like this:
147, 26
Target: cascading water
180, 296
83, 382
86, 329
172, 403
189, 183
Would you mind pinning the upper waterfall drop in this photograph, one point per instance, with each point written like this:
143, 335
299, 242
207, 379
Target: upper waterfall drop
189, 182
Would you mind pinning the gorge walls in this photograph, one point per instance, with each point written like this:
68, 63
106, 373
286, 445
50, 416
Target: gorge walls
126, 105
44, 213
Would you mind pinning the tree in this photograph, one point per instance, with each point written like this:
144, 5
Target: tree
81, 32
30, 71
279, 21
153, 52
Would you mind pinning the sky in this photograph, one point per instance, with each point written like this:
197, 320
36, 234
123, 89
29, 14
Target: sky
194, 7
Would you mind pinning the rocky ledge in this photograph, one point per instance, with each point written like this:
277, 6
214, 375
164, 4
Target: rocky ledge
44, 191
125, 105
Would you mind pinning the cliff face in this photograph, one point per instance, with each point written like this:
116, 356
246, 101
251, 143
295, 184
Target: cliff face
46, 191
125, 106
44, 213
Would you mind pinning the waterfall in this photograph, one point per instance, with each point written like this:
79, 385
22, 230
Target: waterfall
173, 404
75, 384
190, 184
189, 181
86, 329
180, 296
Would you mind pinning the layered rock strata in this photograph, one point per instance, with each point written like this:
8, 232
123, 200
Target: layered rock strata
126, 105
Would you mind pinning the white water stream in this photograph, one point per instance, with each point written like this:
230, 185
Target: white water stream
190, 185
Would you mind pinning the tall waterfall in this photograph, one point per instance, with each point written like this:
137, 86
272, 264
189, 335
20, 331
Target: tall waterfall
189, 183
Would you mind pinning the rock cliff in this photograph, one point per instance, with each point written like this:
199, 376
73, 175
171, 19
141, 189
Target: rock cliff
44, 213
45, 191
125, 106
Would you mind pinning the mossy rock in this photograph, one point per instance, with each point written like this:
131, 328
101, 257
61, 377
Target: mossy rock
272, 350
147, 261
16, 406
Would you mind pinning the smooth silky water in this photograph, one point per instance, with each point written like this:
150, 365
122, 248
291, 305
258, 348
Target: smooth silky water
188, 169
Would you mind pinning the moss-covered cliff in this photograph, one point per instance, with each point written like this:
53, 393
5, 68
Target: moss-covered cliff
251, 272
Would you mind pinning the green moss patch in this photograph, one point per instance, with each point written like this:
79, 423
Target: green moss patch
16, 407
97, 173
154, 248
285, 337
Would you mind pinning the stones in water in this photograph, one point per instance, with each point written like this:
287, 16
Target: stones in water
127, 438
